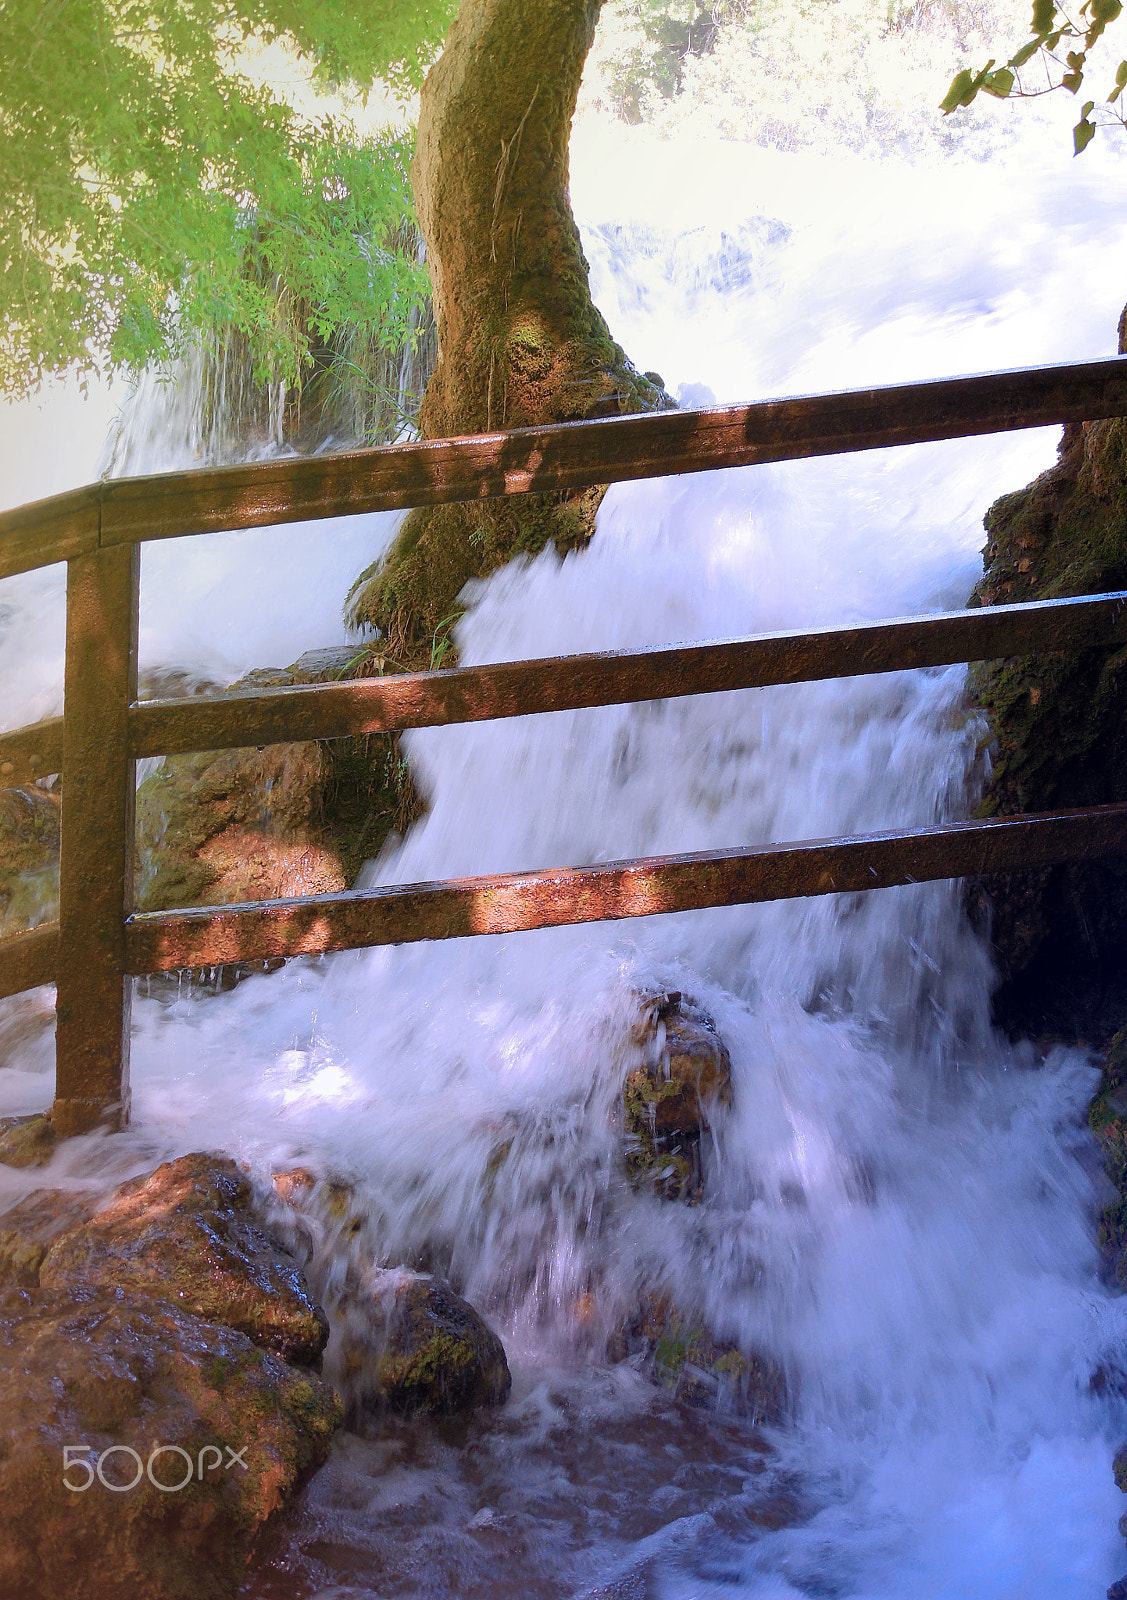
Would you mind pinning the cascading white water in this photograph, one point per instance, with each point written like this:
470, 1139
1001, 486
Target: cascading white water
899, 1205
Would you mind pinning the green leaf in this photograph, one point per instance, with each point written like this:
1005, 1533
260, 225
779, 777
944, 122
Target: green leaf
1086, 108
1082, 136
961, 92
1072, 81
999, 83
1043, 13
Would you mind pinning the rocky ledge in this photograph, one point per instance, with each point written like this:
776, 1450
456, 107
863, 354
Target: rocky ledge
157, 1388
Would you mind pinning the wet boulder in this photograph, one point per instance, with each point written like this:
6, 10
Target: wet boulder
407, 1342
27, 1141
187, 1233
668, 1101
142, 1448
682, 1354
28, 1229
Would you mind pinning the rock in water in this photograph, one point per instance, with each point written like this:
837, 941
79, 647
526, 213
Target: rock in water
411, 1344
27, 1141
669, 1100
28, 1229
684, 1356
151, 1403
186, 1234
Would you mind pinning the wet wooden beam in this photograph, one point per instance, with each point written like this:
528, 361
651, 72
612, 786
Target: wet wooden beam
513, 902
96, 845
616, 677
610, 450
32, 752
28, 959
46, 531
568, 456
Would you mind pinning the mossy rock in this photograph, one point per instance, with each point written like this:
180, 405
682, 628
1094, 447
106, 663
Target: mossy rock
219, 827
187, 1233
669, 1100
1058, 726
407, 1342
26, 1141
115, 1379
684, 1356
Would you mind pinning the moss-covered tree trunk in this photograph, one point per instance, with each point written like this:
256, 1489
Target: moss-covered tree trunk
520, 342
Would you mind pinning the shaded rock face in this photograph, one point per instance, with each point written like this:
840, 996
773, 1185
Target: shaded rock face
186, 1234
219, 827
668, 1101
680, 1353
119, 1380
1059, 726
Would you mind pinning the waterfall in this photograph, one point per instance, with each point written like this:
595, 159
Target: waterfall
899, 1205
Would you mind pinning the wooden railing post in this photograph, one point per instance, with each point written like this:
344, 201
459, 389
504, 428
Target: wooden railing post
96, 847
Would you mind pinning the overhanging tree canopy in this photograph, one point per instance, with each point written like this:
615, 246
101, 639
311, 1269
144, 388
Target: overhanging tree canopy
152, 189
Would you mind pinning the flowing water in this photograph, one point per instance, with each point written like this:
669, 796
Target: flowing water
899, 1205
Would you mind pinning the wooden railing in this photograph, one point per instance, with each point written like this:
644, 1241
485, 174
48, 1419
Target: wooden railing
99, 943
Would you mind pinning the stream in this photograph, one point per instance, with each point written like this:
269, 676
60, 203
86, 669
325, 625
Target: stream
898, 1206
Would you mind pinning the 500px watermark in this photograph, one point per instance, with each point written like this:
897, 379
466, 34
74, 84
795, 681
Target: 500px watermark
84, 1459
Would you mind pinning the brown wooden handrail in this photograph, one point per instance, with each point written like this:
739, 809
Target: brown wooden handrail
98, 943
568, 455
619, 677
158, 941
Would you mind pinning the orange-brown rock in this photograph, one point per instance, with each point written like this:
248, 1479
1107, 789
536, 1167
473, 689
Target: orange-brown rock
146, 1395
28, 1229
186, 1233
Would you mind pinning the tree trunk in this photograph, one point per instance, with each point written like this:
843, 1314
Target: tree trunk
520, 342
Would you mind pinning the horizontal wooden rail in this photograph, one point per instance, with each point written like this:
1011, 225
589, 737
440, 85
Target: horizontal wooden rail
28, 959
617, 677
569, 455
513, 902
32, 752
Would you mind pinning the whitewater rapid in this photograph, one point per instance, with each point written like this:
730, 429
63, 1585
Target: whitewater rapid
899, 1207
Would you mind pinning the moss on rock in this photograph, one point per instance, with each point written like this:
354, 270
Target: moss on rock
667, 1102
683, 1355
407, 1342
116, 1380
1059, 729
29, 857
187, 1233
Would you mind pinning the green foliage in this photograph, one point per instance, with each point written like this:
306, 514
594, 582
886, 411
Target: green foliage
1050, 26
155, 188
